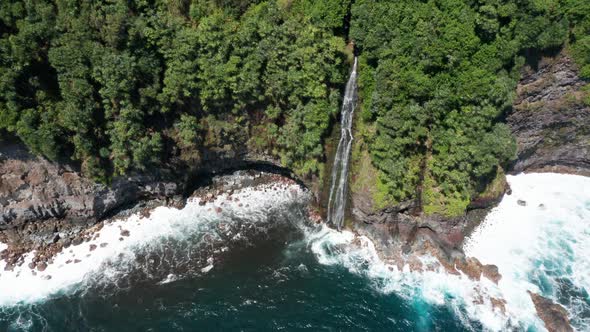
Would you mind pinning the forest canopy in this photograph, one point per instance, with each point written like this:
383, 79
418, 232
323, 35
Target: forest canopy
126, 85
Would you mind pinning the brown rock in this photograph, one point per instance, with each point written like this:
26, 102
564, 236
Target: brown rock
77, 241
491, 272
92, 247
499, 304
41, 266
125, 232
470, 266
552, 314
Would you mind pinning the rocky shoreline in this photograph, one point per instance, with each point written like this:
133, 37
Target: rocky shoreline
223, 186
44, 202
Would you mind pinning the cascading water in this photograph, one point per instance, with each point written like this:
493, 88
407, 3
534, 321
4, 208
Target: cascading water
337, 200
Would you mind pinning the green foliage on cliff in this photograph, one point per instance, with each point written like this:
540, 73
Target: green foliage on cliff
438, 77
126, 85
577, 13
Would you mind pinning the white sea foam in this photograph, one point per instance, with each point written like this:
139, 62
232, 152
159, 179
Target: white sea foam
106, 263
542, 246
530, 244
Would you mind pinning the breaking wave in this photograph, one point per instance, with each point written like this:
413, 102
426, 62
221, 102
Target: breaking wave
539, 237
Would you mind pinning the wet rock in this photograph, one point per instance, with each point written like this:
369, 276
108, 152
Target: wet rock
218, 210
41, 266
491, 272
521, 202
470, 266
43, 202
552, 314
499, 304
104, 245
125, 232
76, 261
92, 247
77, 241
32, 265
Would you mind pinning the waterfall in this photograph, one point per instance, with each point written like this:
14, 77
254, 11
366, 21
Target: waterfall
337, 200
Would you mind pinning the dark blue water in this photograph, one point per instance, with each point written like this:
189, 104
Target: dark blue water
275, 284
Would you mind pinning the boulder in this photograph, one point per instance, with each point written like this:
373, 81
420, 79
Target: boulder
552, 314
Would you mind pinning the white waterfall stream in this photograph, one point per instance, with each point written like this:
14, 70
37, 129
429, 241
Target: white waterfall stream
337, 200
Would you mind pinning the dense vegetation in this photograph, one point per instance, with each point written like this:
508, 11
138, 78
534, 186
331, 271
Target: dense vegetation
437, 80
126, 85
123, 85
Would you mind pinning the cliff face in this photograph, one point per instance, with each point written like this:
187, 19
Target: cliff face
41, 201
550, 121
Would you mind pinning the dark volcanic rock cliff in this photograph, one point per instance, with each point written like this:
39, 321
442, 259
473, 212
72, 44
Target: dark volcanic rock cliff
550, 121
42, 201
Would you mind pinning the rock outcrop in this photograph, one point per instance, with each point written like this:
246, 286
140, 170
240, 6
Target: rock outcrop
550, 121
552, 314
404, 242
41, 202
